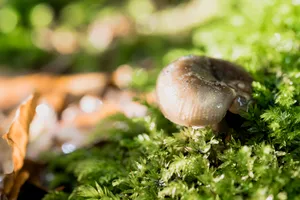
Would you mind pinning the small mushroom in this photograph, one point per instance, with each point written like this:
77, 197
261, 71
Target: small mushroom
198, 91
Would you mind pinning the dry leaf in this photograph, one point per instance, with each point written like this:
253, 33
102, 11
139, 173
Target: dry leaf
17, 136
14, 90
8, 183
81, 84
18, 182
85, 120
57, 100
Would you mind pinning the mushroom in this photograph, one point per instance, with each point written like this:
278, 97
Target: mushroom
198, 91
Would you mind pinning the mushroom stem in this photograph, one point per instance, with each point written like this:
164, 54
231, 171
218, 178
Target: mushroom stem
221, 127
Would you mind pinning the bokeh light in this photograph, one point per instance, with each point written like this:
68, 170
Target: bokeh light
8, 19
41, 15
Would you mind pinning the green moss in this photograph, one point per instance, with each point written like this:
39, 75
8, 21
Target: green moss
151, 158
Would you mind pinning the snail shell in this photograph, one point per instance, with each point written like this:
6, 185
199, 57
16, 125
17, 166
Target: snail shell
198, 90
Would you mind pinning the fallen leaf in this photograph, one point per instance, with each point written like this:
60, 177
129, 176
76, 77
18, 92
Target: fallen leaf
56, 100
81, 84
14, 90
85, 120
18, 134
18, 182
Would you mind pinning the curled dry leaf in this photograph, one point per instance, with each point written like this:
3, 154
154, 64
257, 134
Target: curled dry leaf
13, 144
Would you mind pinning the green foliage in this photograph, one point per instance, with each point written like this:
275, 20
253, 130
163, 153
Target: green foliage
92, 193
151, 158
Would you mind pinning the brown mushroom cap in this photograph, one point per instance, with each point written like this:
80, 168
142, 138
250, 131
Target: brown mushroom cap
198, 90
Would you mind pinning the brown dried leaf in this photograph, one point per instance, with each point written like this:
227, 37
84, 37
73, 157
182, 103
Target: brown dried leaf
57, 100
18, 182
81, 84
85, 120
14, 90
18, 134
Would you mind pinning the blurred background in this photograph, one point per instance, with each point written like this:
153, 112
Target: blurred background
63, 36
125, 44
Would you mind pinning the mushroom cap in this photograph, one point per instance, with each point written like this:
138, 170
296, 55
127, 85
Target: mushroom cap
198, 90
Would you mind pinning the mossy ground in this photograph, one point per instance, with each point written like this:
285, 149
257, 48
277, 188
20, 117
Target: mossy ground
151, 158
